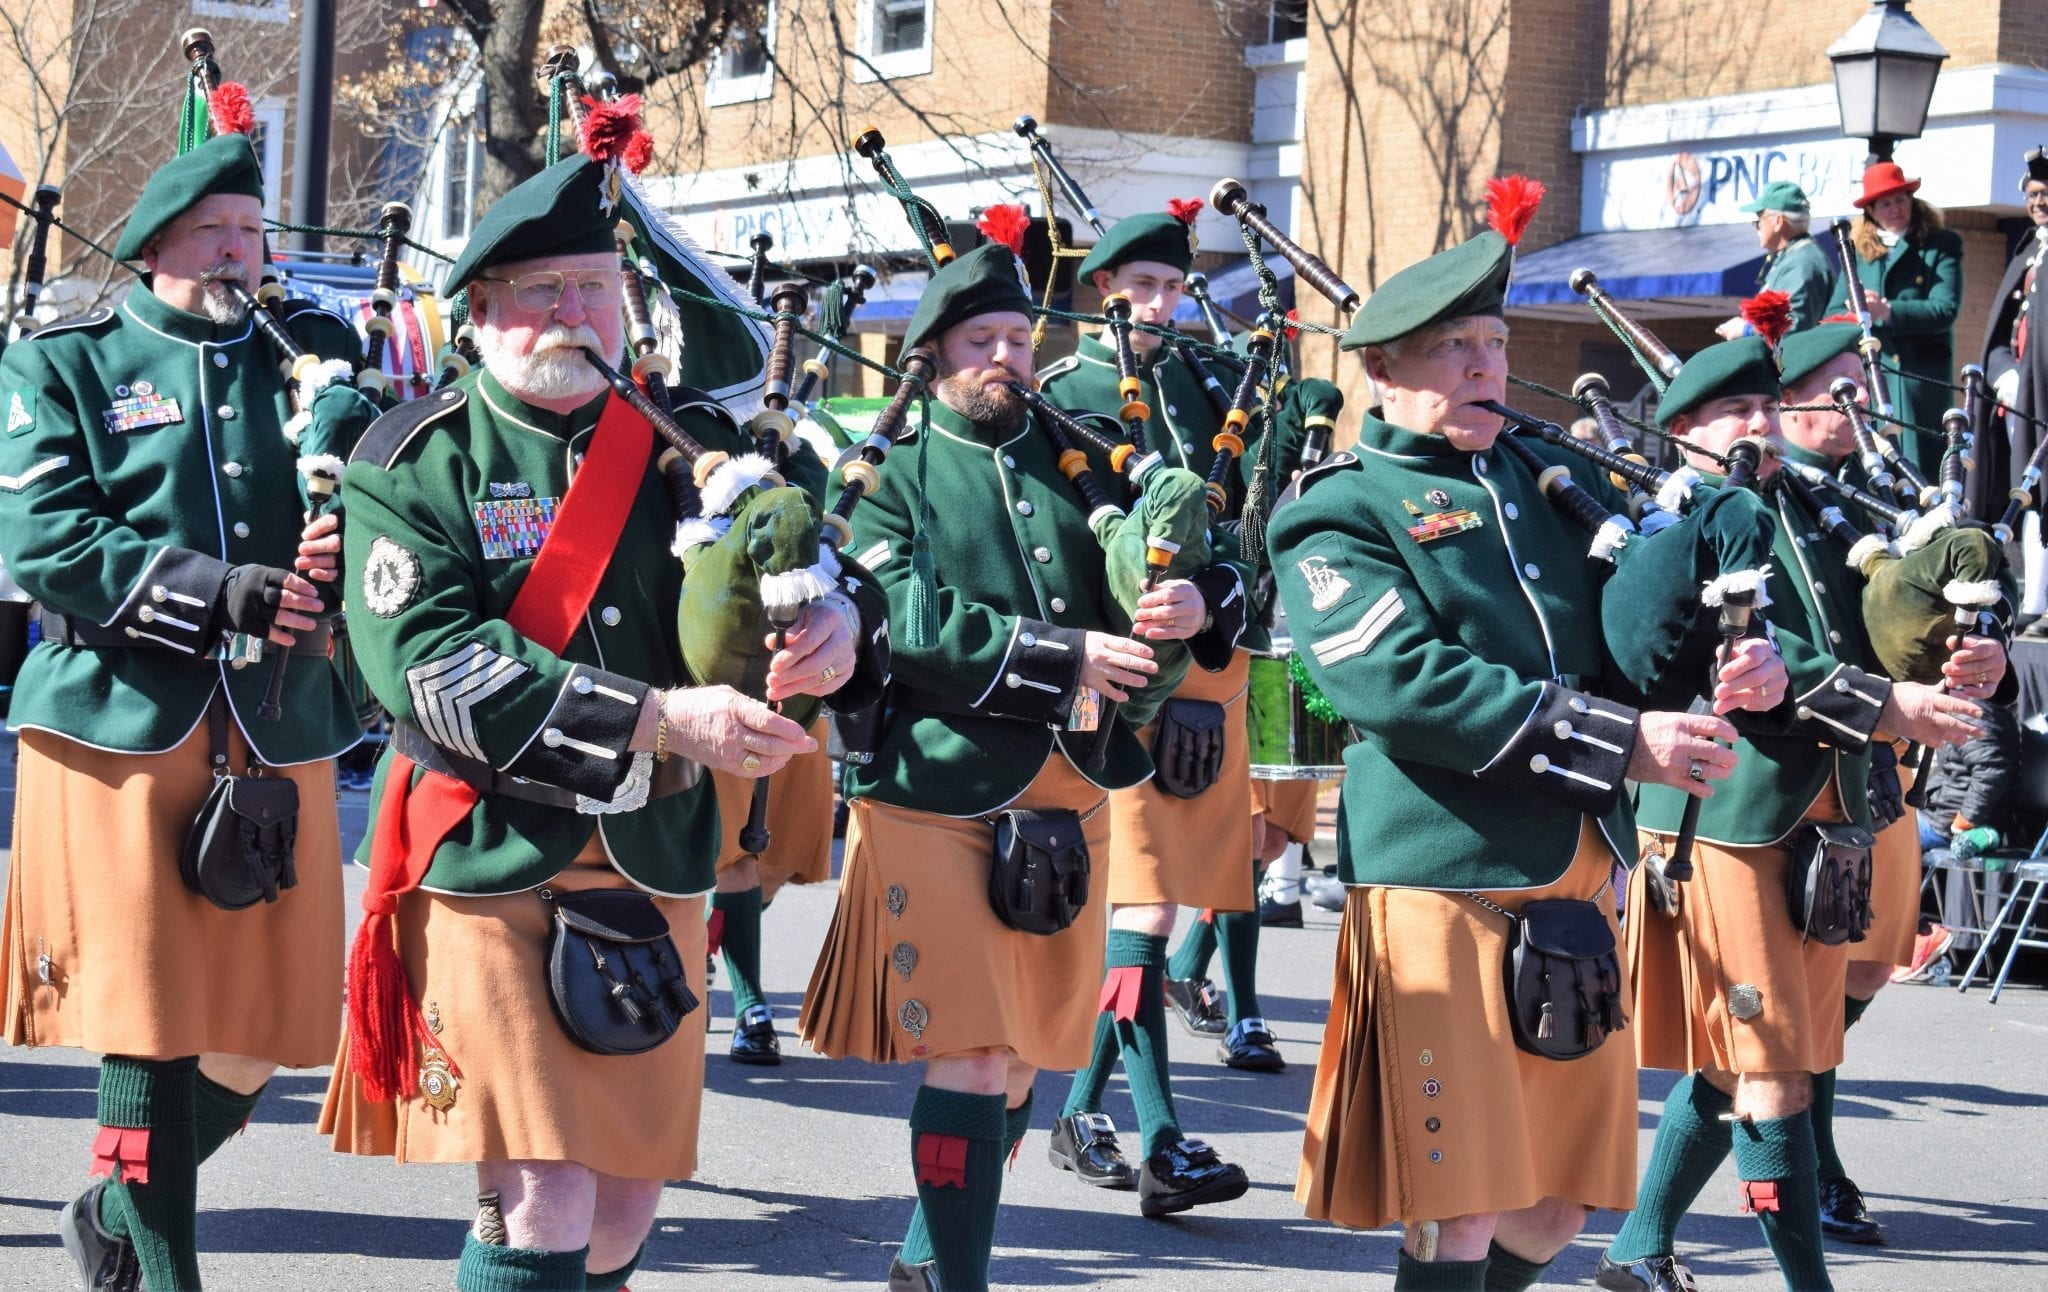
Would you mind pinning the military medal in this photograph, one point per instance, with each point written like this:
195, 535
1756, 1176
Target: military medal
1441, 524
511, 528
139, 407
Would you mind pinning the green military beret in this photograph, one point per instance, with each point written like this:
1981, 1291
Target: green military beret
558, 212
984, 281
1156, 235
1471, 278
1804, 353
1743, 366
1779, 195
225, 163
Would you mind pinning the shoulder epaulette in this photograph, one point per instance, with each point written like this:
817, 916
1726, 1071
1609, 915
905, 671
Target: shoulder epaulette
1058, 367
389, 434
1321, 470
91, 318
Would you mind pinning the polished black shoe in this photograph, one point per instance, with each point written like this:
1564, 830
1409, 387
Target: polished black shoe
1194, 999
1280, 915
1085, 1143
921, 1277
1187, 1174
753, 1037
105, 1263
1250, 1047
1843, 1215
1650, 1274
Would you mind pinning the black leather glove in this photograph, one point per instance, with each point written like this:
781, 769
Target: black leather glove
249, 599
1887, 797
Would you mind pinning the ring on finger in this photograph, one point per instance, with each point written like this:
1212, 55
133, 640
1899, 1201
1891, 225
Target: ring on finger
752, 762
1697, 772
828, 674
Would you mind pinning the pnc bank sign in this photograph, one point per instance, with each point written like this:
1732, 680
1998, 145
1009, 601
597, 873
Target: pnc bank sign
1710, 186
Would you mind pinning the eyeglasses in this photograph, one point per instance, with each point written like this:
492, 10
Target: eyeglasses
541, 291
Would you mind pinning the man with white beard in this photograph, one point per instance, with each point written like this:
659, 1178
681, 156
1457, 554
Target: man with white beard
514, 599
148, 502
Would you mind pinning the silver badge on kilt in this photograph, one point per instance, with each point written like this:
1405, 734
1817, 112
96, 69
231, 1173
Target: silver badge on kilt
915, 1018
1744, 1000
904, 957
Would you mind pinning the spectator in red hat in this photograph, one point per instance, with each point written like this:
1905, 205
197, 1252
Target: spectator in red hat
1911, 271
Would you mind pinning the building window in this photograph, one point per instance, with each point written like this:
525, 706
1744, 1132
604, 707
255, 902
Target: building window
251, 10
744, 70
895, 39
461, 156
1288, 20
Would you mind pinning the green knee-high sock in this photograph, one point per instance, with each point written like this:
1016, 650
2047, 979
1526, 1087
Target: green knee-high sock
615, 1280
1085, 1095
1775, 1161
486, 1267
1142, 1039
1692, 1142
917, 1240
956, 1148
1412, 1275
217, 1114
1507, 1272
741, 945
1823, 1110
156, 1217
1237, 932
1197, 946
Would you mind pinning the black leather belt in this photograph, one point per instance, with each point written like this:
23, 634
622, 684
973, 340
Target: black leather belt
67, 631
671, 776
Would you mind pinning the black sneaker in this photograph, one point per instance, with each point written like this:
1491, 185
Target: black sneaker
105, 1263
1187, 1174
1194, 999
753, 1037
1250, 1047
1843, 1215
1650, 1274
1085, 1143
921, 1277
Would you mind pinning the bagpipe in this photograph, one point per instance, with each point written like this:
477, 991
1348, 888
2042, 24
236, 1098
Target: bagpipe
42, 213
1868, 346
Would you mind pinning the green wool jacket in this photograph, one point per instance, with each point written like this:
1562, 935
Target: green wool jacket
1470, 663
441, 497
1924, 283
1805, 272
974, 713
1183, 430
144, 456
1816, 618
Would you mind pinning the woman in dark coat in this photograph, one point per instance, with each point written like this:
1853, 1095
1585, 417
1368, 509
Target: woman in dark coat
1911, 270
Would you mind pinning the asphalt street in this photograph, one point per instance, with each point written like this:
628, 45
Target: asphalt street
806, 1168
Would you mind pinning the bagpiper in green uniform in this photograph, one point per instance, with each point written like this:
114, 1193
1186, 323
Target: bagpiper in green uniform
986, 723
1449, 611
1794, 263
1191, 845
1728, 990
149, 502
509, 560
1910, 270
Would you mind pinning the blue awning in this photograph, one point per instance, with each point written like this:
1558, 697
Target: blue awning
1707, 263
1236, 289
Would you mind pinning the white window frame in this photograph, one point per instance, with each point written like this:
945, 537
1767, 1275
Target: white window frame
277, 11
720, 89
461, 153
269, 113
873, 66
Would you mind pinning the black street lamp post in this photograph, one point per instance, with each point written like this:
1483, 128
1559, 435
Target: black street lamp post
1885, 67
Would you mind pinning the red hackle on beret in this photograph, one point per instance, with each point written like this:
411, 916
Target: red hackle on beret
608, 128
1770, 313
1511, 202
1005, 222
228, 109
1184, 209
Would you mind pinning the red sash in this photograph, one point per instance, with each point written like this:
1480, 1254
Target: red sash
411, 822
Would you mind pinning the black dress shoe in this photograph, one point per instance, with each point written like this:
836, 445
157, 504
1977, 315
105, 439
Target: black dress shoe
753, 1038
1187, 1174
1280, 915
105, 1263
1194, 999
1250, 1047
1843, 1215
921, 1277
1650, 1274
1085, 1143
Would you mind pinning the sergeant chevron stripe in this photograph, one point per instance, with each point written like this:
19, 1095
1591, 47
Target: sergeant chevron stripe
1358, 639
444, 691
15, 484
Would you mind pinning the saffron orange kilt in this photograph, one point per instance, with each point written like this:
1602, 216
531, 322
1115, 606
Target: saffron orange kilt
1288, 806
1196, 852
800, 801
1894, 891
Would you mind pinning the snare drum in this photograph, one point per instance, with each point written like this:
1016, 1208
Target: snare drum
1288, 743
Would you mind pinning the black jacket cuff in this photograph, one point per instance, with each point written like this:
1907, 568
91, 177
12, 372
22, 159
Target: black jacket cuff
581, 746
1223, 596
1039, 674
1573, 748
172, 603
871, 649
1843, 709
